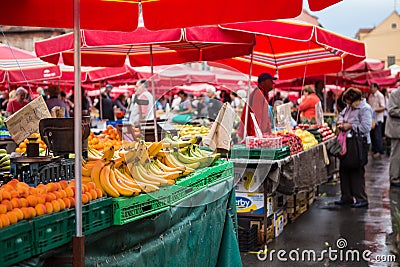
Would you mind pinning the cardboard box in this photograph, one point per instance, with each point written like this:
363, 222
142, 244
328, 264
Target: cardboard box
250, 179
252, 203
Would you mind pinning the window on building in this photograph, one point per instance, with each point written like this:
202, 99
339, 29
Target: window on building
391, 60
394, 25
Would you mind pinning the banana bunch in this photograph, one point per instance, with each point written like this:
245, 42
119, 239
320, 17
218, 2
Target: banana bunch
4, 160
191, 157
193, 131
177, 142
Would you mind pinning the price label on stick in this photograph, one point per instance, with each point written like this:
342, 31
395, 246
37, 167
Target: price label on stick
26, 120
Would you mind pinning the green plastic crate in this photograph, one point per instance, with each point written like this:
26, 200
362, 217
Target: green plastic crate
53, 230
129, 209
97, 215
188, 186
222, 171
16, 243
243, 152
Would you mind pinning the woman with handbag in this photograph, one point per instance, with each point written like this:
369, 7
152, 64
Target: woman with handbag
355, 120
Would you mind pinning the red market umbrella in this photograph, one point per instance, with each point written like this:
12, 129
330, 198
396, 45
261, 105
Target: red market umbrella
295, 49
122, 15
20, 66
367, 64
110, 49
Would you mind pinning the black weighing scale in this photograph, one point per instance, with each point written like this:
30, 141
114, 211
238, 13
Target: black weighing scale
58, 135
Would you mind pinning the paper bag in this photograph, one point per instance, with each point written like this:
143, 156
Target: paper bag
219, 137
26, 120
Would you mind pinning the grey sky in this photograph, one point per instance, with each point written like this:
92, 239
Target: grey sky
348, 16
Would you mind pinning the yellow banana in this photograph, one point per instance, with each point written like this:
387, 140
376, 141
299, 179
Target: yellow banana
105, 182
172, 162
86, 179
86, 171
118, 162
151, 167
95, 175
120, 187
155, 148
166, 168
135, 184
133, 168
108, 153
152, 177
186, 159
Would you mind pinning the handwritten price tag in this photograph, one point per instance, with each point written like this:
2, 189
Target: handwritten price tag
26, 120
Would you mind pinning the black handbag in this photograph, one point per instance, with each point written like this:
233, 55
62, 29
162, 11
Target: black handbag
357, 151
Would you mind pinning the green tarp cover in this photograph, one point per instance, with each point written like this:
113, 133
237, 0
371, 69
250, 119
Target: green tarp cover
202, 231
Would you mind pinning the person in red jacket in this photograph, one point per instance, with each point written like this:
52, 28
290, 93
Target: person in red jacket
308, 102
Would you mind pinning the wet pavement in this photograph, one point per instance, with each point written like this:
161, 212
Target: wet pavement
338, 235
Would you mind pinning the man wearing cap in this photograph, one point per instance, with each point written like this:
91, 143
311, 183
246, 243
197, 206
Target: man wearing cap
107, 105
258, 104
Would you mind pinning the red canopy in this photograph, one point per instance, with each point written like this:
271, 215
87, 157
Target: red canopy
122, 15
110, 49
367, 64
295, 49
19, 66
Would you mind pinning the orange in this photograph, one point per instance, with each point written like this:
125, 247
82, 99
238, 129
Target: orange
50, 196
41, 198
24, 192
41, 189
57, 194
90, 197
13, 217
62, 204
15, 202
93, 193
40, 209
26, 212
63, 193
13, 183
14, 193
51, 187
32, 211
6, 195
67, 202
57, 186
85, 198
69, 191
34, 191
3, 209
56, 205
8, 204
5, 220
32, 200
19, 214
24, 202
99, 193
84, 188
91, 185
64, 184
49, 207
22, 185
72, 200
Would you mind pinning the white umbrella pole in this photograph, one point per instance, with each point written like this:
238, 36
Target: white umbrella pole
246, 118
78, 244
153, 92
324, 93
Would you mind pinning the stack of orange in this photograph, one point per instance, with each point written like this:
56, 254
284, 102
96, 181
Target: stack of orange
19, 201
109, 137
22, 146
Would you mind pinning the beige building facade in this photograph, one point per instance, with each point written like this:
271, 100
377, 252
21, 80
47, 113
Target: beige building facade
383, 41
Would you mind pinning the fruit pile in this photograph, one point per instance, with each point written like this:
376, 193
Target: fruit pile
291, 140
22, 146
271, 141
19, 201
4, 161
144, 167
326, 133
307, 138
106, 139
190, 131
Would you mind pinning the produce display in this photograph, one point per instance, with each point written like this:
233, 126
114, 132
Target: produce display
271, 141
326, 133
191, 131
22, 146
307, 138
4, 161
108, 138
19, 201
144, 167
291, 140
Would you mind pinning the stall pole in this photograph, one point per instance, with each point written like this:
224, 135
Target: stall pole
78, 240
153, 92
246, 118
324, 93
